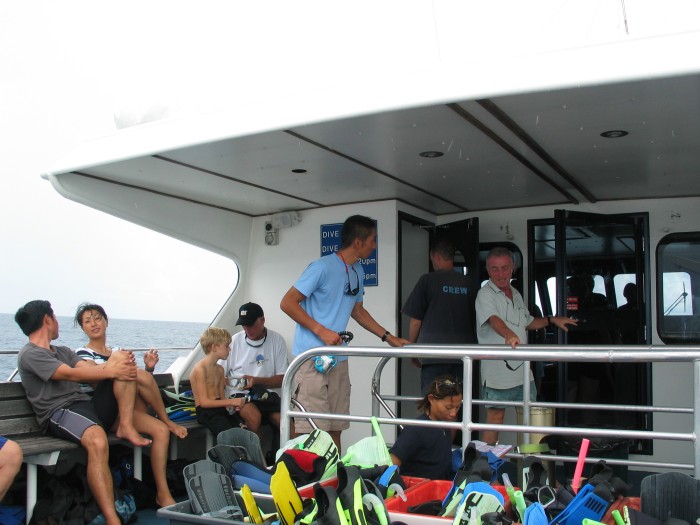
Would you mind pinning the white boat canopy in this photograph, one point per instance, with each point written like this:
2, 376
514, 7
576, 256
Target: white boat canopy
470, 132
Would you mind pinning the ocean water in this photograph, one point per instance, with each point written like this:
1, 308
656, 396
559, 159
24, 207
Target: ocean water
125, 333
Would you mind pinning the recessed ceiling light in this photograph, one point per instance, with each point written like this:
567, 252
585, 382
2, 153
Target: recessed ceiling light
299, 170
614, 133
431, 154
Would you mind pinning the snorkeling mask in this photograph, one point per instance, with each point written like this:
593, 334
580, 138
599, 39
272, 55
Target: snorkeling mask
323, 363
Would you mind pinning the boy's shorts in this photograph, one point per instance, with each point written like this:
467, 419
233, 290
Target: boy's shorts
218, 419
507, 394
327, 393
72, 421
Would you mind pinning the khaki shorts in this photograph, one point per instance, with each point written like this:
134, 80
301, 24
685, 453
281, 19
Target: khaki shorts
326, 393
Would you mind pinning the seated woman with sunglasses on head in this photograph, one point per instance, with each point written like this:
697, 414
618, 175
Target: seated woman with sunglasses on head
427, 452
93, 320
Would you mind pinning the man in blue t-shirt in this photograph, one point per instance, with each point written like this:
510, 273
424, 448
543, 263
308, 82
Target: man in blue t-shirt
321, 302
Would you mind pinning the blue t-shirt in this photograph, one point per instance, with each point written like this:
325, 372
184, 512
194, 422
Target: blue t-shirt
323, 285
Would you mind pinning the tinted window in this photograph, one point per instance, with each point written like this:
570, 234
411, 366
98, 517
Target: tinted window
678, 288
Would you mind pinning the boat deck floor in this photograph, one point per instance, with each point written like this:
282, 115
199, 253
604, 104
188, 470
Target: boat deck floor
148, 517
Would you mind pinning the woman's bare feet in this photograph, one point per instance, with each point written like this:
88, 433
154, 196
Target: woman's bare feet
132, 435
176, 429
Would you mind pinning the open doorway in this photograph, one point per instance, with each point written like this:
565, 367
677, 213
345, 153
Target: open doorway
416, 238
593, 268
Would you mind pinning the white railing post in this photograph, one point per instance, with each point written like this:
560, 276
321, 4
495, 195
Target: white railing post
467, 405
696, 417
526, 402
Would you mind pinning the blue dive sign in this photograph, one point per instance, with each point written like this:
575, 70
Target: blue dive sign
330, 243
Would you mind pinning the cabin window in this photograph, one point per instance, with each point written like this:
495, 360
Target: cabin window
538, 299
598, 288
620, 281
678, 288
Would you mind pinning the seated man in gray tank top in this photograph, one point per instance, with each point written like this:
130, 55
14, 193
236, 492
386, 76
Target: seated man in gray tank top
51, 376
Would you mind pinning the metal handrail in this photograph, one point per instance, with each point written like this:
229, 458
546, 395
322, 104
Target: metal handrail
145, 349
302, 409
553, 353
167, 349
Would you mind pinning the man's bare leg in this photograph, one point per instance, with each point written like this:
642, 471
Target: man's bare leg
125, 394
160, 433
252, 417
494, 416
10, 463
148, 391
99, 477
335, 434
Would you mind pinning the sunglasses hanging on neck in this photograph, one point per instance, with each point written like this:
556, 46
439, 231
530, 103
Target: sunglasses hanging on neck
349, 290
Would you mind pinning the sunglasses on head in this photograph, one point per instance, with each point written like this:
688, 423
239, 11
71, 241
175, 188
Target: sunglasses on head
447, 383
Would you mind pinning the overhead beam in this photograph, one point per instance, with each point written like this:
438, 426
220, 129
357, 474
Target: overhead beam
500, 115
510, 149
374, 169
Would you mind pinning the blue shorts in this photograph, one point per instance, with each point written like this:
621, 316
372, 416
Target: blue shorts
3, 440
507, 394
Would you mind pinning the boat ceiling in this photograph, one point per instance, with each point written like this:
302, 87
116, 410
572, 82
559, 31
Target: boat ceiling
511, 150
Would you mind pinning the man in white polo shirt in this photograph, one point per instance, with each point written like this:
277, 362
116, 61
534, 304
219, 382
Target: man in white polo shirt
256, 364
502, 317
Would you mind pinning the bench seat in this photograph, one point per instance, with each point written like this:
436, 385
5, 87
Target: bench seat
18, 423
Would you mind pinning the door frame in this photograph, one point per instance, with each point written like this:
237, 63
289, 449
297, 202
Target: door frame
640, 224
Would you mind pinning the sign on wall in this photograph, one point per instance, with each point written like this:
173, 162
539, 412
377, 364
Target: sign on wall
330, 243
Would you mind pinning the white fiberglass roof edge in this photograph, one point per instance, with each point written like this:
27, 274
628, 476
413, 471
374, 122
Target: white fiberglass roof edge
391, 90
